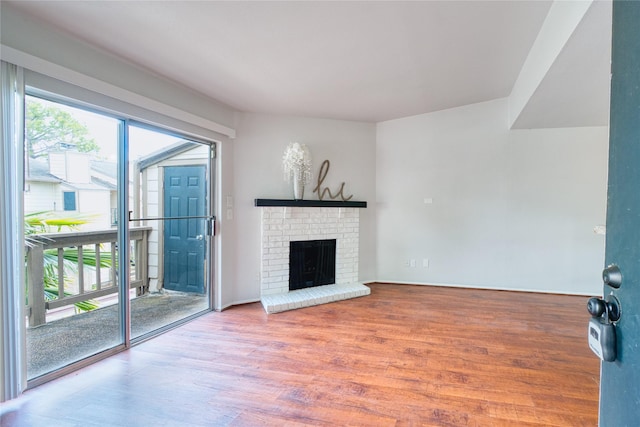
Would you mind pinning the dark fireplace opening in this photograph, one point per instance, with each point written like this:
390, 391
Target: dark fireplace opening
312, 263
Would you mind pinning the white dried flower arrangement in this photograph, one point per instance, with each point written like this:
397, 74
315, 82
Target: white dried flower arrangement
296, 163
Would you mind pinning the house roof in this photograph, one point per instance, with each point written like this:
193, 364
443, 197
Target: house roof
164, 154
38, 171
103, 175
106, 168
93, 185
104, 184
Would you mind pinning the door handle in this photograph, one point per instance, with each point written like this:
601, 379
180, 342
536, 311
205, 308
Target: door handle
199, 237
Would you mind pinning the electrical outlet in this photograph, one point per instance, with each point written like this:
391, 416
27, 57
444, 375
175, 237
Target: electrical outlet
425, 263
412, 263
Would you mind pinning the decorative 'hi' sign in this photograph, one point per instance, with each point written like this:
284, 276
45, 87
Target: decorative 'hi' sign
324, 170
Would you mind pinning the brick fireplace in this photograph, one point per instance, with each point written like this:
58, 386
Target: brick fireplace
284, 224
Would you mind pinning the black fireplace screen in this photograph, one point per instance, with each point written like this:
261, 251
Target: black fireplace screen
312, 263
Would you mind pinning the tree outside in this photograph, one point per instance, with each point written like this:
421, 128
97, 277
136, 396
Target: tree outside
50, 128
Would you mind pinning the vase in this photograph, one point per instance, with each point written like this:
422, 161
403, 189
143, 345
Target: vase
298, 189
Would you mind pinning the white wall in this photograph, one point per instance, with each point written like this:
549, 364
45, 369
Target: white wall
225, 243
257, 173
41, 196
511, 209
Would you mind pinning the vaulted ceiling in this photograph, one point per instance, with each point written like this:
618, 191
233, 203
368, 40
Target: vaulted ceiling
366, 61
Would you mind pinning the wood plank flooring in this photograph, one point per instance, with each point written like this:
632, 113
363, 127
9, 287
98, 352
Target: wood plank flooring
403, 356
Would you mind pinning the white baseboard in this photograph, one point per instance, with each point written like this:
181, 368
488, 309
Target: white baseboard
442, 285
241, 302
490, 288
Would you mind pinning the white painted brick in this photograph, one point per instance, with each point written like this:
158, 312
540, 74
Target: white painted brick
280, 262
272, 221
276, 215
282, 225
270, 256
273, 269
279, 285
298, 227
272, 244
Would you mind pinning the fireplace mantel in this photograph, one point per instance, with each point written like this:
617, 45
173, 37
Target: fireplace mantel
310, 203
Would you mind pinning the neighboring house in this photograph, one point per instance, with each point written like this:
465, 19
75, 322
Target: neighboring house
71, 182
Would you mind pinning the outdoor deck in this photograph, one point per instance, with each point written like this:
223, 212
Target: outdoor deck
59, 342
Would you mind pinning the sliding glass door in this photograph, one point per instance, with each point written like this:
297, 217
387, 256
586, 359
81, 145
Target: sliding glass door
170, 227
71, 236
118, 225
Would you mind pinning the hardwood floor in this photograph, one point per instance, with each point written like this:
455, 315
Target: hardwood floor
403, 356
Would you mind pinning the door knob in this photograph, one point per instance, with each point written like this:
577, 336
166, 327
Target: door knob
610, 308
596, 307
602, 333
612, 276
199, 237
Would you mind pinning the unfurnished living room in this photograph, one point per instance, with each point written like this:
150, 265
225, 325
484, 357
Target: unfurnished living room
290, 213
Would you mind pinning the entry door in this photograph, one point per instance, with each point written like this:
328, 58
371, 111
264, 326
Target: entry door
184, 239
620, 380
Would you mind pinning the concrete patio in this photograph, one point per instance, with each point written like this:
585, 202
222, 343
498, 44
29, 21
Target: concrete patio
60, 342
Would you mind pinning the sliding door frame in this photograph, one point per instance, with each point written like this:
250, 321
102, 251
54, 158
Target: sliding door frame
123, 271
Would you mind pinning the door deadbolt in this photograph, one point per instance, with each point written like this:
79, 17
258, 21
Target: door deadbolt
612, 276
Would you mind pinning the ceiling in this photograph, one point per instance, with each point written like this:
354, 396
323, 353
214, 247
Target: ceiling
365, 61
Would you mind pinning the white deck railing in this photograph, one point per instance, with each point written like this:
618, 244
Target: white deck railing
104, 243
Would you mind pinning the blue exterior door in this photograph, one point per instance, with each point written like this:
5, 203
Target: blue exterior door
620, 380
184, 239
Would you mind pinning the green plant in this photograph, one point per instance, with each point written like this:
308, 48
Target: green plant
45, 221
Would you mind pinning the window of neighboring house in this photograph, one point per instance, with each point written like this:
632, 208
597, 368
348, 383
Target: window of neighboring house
69, 200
